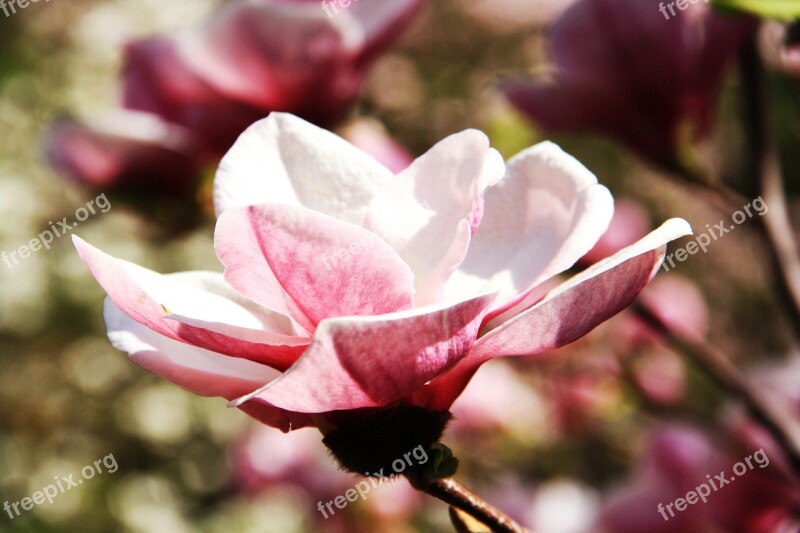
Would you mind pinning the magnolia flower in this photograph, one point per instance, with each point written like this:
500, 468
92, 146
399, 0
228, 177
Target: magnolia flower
206, 85
640, 82
348, 288
256, 56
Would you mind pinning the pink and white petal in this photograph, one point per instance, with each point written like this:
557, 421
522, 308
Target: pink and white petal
357, 362
567, 313
581, 303
547, 213
421, 213
225, 305
231, 315
286, 160
310, 265
277, 418
223, 325
197, 370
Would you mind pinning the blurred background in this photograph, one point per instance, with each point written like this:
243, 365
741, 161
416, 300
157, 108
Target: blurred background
600, 429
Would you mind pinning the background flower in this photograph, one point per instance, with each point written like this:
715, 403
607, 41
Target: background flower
650, 85
202, 87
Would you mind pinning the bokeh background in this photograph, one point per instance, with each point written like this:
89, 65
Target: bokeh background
556, 442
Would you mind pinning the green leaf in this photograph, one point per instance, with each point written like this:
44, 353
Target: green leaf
777, 9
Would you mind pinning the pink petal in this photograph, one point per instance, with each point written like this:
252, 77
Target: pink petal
222, 325
291, 56
360, 362
157, 80
272, 55
539, 220
309, 265
201, 371
371, 137
629, 224
286, 160
566, 313
636, 82
126, 150
429, 211
197, 370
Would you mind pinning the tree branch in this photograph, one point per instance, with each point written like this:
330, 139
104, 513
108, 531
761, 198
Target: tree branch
722, 372
763, 167
457, 495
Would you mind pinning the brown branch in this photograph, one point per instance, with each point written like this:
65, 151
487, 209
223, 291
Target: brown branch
457, 495
763, 168
722, 372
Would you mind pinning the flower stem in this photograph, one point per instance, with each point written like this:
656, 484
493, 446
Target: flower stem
457, 495
722, 372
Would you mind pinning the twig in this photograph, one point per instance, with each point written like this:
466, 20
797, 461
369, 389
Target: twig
763, 167
720, 370
457, 495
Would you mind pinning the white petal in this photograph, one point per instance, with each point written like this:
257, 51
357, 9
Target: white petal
286, 160
426, 214
539, 220
200, 371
